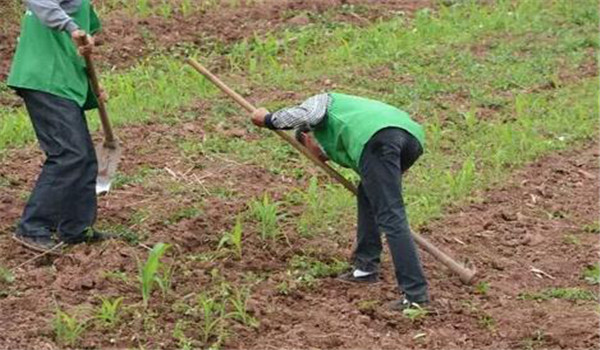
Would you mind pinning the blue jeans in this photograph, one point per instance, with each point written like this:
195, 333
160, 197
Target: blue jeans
64, 197
385, 157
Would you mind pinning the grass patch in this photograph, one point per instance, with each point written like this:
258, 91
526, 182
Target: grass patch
560, 293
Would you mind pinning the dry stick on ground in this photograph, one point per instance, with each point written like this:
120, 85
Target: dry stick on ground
466, 275
60, 245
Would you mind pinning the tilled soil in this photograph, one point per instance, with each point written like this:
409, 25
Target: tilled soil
520, 226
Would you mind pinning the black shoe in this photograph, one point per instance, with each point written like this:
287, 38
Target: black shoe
403, 304
90, 236
348, 277
41, 244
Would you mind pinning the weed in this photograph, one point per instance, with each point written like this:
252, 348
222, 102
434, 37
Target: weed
184, 343
592, 274
283, 288
367, 306
593, 228
109, 311
149, 270
415, 313
559, 293
571, 239
266, 213
117, 276
6, 276
67, 328
233, 239
487, 321
482, 287
305, 271
182, 214
535, 341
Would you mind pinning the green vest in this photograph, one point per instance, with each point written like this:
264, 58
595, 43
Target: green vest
47, 60
350, 123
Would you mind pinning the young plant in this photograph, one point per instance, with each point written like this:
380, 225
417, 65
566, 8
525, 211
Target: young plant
239, 300
6, 276
148, 271
184, 342
415, 313
67, 328
109, 311
233, 239
592, 274
266, 213
482, 287
165, 279
212, 313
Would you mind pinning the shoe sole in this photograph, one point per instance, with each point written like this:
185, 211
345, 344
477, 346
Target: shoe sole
37, 248
357, 282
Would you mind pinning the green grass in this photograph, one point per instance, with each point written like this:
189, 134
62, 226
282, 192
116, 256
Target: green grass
592, 274
265, 212
560, 293
67, 328
304, 271
108, 313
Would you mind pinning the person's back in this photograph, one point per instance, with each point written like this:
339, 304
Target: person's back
350, 123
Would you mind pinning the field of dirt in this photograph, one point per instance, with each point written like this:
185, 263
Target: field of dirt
518, 227
515, 231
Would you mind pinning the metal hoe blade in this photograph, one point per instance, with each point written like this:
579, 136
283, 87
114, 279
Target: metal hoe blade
108, 162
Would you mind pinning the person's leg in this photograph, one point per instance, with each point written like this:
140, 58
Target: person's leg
64, 197
381, 173
367, 254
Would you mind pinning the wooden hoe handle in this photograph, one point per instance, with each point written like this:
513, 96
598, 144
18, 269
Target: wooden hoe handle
109, 137
466, 275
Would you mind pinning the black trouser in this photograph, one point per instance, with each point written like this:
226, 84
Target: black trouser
385, 157
64, 197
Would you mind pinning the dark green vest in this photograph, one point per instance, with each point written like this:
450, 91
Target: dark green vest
350, 123
47, 60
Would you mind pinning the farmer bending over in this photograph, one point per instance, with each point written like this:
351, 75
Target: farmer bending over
50, 76
380, 143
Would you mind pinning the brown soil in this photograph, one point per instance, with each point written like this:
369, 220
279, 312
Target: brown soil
522, 225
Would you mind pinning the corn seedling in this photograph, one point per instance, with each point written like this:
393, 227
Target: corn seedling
233, 239
109, 311
238, 299
266, 213
165, 279
148, 271
67, 328
212, 312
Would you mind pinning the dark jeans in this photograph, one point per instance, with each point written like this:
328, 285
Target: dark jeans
386, 156
64, 197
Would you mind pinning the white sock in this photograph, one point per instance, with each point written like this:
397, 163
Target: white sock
360, 273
